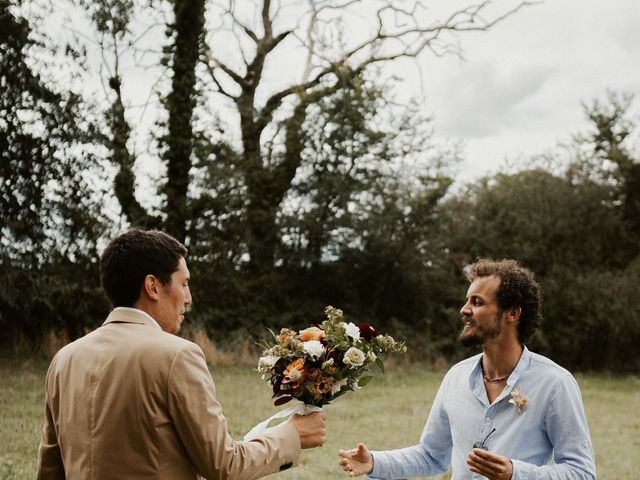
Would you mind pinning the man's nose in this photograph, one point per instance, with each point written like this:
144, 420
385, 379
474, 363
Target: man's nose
466, 309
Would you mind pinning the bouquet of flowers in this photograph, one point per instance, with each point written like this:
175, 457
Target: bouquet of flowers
323, 362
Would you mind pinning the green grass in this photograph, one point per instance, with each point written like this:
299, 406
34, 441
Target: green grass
390, 412
21, 415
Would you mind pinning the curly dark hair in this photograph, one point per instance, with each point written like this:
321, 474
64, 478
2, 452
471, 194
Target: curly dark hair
130, 257
518, 287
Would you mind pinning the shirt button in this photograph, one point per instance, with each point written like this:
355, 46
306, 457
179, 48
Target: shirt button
487, 419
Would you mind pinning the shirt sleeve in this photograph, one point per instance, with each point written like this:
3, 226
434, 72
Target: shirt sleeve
566, 425
50, 464
430, 457
202, 427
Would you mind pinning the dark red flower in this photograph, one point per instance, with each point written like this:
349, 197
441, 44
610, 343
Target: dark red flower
280, 366
337, 356
367, 331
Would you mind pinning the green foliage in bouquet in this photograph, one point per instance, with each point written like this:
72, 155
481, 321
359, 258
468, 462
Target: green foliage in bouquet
323, 362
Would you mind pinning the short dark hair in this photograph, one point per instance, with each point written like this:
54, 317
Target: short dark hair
130, 257
518, 287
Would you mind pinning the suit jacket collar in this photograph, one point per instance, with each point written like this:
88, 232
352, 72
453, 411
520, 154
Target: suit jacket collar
130, 315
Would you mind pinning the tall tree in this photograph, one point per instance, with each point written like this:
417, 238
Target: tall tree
114, 39
611, 140
117, 37
394, 30
187, 33
51, 217
46, 135
21, 180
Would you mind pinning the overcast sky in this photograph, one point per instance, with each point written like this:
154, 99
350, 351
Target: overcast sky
519, 91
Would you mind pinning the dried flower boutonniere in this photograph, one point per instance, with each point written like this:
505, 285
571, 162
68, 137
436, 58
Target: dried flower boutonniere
518, 399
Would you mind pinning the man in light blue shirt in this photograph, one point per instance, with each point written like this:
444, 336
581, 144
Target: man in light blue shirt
504, 413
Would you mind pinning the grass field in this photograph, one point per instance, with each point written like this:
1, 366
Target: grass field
390, 412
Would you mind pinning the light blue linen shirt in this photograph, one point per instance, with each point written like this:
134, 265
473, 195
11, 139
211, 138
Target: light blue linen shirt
552, 424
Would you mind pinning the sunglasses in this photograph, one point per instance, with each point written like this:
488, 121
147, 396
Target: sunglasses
482, 445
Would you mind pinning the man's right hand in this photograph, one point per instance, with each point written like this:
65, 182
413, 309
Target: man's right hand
311, 429
357, 461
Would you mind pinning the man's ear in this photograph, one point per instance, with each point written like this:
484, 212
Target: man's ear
151, 287
514, 313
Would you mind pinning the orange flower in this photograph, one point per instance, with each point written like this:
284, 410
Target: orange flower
311, 333
295, 370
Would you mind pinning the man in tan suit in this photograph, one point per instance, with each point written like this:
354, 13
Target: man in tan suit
133, 401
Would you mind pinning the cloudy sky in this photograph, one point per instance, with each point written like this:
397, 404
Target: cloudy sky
520, 88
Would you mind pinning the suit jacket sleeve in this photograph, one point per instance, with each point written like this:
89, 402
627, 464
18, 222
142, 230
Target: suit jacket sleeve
50, 464
202, 427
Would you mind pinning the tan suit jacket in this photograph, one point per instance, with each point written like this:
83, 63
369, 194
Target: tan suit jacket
129, 401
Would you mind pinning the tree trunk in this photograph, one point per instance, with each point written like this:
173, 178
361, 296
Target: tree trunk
124, 182
189, 24
268, 185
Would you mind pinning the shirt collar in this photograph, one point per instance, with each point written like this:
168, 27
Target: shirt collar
522, 365
477, 385
137, 310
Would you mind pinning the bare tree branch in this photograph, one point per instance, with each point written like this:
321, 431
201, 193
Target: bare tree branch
311, 42
144, 33
266, 20
465, 20
234, 76
250, 33
212, 74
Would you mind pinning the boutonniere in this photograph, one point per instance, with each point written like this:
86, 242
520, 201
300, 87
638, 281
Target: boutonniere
518, 399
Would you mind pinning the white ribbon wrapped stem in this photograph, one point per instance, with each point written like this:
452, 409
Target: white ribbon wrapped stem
262, 427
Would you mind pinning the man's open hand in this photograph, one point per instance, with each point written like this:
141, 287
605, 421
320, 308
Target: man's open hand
357, 461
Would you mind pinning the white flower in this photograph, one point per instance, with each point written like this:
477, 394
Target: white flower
354, 357
314, 348
352, 330
338, 385
267, 362
371, 357
327, 364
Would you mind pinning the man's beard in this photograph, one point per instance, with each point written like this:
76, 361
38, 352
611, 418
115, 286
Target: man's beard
479, 337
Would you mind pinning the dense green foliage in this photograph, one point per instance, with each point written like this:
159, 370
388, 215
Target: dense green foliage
329, 193
50, 207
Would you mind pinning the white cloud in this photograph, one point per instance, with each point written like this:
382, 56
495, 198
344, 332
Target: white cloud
485, 98
520, 89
